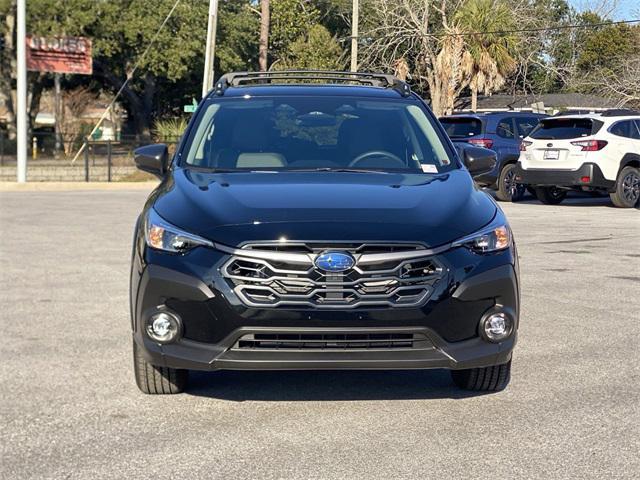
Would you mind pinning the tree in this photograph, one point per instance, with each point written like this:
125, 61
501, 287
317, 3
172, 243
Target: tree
317, 50
546, 58
75, 103
601, 48
419, 33
487, 58
236, 46
122, 35
609, 64
623, 84
121, 31
290, 20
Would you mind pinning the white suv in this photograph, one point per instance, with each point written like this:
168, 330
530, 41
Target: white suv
590, 152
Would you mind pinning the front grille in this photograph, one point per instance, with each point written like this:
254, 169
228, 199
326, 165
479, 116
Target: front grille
333, 341
383, 275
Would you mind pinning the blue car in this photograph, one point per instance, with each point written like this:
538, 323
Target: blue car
501, 132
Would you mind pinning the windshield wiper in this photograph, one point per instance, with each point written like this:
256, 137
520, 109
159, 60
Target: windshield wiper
339, 170
288, 170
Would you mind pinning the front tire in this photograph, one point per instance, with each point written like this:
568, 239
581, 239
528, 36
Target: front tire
508, 189
155, 380
627, 191
483, 379
550, 195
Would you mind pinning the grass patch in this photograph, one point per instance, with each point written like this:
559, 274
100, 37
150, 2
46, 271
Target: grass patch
137, 176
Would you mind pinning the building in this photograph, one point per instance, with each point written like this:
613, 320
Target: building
550, 103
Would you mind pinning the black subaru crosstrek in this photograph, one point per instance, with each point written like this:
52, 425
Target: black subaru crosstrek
320, 220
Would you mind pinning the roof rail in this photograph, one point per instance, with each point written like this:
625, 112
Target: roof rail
567, 113
237, 79
619, 112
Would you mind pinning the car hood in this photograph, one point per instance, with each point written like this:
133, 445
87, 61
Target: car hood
234, 208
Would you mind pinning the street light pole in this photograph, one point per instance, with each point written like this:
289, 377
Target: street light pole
21, 103
57, 108
354, 36
207, 80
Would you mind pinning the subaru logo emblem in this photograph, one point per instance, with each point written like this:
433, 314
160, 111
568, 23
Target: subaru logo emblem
334, 261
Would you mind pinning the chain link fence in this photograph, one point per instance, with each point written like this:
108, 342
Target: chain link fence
102, 160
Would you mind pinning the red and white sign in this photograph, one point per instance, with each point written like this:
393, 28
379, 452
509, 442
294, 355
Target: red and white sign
59, 54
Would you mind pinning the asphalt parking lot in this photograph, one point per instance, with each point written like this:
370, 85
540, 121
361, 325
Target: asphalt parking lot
70, 407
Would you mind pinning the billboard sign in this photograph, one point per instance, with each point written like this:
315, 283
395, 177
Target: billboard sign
59, 54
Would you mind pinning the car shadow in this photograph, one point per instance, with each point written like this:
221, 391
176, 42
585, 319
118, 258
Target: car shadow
326, 385
574, 199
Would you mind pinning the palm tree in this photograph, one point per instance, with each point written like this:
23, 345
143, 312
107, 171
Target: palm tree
487, 57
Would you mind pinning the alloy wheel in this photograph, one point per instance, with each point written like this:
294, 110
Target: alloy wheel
556, 192
516, 190
631, 187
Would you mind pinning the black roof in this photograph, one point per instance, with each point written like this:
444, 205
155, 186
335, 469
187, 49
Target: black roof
481, 115
285, 80
578, 101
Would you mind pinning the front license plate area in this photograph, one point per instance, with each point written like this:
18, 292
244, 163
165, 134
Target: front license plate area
551, 154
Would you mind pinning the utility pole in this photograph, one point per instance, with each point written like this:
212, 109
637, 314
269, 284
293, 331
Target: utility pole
21, 103
354, 36
207, 80
263, 49
57, 113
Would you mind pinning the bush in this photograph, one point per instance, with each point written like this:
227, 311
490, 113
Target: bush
169, 130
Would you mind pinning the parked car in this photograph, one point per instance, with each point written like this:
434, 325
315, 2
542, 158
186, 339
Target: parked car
498, 131
593, 152
320, 226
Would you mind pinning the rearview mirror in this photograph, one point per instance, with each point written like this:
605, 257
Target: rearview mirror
152, 158
478, 160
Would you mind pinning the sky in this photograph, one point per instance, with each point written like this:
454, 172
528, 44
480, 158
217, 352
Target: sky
628, 9
625, 9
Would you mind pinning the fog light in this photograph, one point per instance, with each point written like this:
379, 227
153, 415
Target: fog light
163, 327
497, 327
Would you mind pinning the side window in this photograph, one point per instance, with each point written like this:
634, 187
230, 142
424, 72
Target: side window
505, 128
635, 133
622, 129
525, 125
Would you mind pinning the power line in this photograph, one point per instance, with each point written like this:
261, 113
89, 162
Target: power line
541, 29
527, 30
129, 77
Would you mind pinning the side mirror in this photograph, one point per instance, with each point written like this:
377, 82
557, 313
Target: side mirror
478, 160
152, 158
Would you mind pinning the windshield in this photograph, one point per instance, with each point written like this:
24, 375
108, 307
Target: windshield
461, 127
565, 128
316, 133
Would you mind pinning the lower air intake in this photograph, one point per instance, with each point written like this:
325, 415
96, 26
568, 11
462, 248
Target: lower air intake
330, 341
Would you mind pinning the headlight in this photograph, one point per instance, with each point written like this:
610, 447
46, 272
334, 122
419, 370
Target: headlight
493, 238
161, 235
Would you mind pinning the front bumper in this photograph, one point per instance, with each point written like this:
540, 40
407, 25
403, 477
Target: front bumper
588, 175
439, 354
214, 321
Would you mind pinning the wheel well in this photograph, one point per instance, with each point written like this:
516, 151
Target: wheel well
630, 160
509, 161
